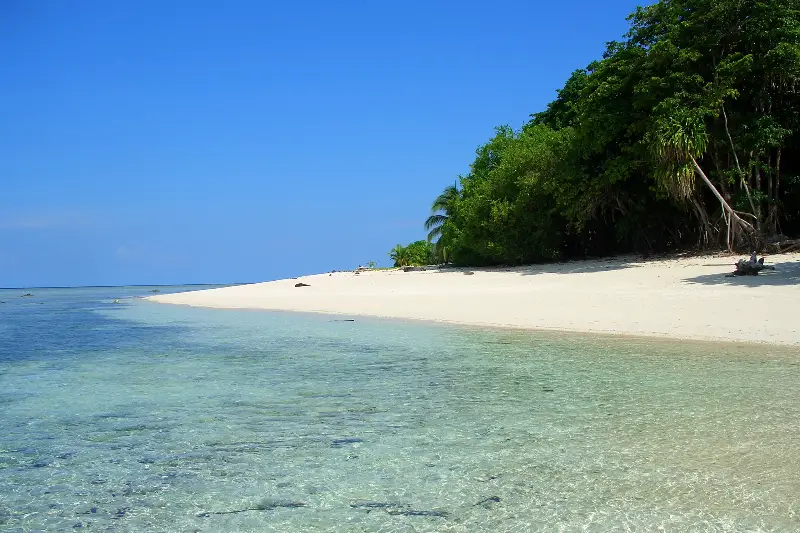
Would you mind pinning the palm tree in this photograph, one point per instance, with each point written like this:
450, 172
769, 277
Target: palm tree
399, 255
436, 224
441, 210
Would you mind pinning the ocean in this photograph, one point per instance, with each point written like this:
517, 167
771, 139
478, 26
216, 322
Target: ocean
142, 417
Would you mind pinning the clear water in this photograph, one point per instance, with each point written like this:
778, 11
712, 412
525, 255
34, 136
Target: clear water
139, 417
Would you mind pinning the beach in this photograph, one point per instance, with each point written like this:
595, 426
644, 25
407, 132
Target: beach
679, 298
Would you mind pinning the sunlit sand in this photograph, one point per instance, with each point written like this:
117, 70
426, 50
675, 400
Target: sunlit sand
685, 298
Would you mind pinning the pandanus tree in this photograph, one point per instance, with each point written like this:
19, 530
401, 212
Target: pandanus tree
679, 140
722, 77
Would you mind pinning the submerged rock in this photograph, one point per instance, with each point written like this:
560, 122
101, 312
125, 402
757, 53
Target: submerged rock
268, 504
489, 500
338, 443
415, 512
264, 505
370, 505
396, 509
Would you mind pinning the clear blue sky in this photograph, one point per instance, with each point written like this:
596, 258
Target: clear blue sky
191, 141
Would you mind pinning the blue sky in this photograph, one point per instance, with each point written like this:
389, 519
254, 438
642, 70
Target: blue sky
192, 141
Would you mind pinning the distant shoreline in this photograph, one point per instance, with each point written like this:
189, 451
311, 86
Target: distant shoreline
680, 298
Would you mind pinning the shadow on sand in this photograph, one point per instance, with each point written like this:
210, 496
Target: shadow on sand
786, 273
586, 266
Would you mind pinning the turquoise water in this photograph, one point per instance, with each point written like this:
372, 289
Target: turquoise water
140, 417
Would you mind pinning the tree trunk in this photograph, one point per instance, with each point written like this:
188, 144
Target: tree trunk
769, 176
757, 176
757, 172
703, 216
736, 222
776, 195
770, 199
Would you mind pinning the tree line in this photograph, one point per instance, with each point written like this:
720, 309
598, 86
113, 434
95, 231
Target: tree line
686, 134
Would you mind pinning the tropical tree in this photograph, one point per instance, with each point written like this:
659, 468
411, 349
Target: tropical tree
685, 133
420, 253
416, 253
442, 207
399, 254
436, 224
679, 139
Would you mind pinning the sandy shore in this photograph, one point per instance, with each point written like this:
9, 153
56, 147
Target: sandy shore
685, 298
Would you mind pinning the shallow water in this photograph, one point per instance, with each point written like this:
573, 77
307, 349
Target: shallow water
140, 417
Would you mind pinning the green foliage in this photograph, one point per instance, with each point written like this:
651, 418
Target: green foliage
415, 254
697, 110
437, 225
506, 213
440, 211
399, 255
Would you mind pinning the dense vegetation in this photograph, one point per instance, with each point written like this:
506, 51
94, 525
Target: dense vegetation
684, 135
416, 253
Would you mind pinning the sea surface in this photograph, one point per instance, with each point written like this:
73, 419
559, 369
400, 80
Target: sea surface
142, 417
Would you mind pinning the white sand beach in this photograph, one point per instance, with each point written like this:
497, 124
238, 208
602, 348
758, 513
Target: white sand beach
681, 298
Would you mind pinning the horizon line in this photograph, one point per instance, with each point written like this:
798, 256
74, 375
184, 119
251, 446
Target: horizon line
125, 285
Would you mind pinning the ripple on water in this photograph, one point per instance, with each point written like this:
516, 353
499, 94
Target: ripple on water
142, 417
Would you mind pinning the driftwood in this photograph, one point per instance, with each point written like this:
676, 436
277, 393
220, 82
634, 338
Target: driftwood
750, 267
782, 246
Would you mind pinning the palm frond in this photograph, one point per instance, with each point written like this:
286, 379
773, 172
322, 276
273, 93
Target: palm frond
435, 220
444, 202
435, 232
